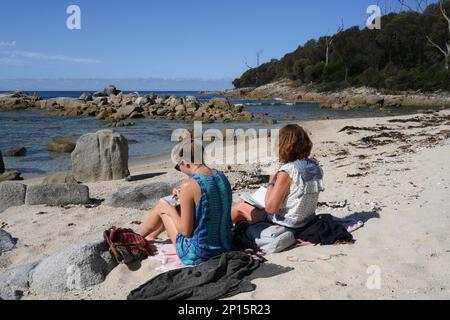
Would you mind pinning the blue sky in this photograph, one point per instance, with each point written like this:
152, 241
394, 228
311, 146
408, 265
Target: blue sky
174, 39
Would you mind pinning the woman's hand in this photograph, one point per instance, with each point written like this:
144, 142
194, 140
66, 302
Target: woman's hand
167, 208
176, 193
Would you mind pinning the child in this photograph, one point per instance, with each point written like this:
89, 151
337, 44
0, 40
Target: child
293, 191
200, 226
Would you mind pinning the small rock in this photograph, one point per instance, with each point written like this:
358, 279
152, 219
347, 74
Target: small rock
10, 176
62, 144
59, 178
7, 242
2, 164
11, 194
57, 194
270, 122
16, 152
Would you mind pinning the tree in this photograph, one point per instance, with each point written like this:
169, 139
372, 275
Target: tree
329, 41
445, 50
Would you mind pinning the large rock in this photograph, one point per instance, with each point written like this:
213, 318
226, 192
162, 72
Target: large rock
14, 282
61, 144
10, 176
59, 177
11, 194
126, 111
7, 242
67, 103
86, 96
20, 152
100, 156
57, 194
2, 164
76, 268
17, 101
221, 103
111, 90
137, 197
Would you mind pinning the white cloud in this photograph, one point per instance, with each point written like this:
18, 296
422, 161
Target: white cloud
51, 57
13, 57
4, 44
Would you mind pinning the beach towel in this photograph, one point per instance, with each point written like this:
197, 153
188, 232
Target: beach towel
324, 229
220, 277
127, 246
167, 255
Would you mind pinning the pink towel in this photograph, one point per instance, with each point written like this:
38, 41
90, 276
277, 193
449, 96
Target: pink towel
167, 255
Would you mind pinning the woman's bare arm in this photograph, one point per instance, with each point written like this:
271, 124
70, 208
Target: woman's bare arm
184, 222
276, 194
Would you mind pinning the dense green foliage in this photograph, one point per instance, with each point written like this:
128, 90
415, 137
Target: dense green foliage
397, 57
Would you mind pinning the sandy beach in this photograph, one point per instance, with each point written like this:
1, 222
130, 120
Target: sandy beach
392, 173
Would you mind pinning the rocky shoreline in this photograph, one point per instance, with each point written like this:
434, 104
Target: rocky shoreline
347, 99
115, 107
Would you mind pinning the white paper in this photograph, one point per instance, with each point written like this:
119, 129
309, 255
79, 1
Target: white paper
257, 199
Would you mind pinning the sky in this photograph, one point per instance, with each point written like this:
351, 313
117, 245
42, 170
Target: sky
159, 39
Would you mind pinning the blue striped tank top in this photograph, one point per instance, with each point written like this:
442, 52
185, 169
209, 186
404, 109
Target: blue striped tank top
212, 232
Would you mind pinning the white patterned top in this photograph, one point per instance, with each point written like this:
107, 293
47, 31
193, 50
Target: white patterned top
301, 202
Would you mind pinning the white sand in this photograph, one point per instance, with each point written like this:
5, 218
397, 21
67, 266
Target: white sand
407, 239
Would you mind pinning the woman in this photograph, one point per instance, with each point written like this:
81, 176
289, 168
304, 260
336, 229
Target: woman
200, 226
293, 191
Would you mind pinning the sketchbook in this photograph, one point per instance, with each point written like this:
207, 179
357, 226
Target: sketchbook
257, 199
172, 200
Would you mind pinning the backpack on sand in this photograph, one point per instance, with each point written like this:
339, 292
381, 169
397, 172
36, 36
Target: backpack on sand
127, 246
263, 236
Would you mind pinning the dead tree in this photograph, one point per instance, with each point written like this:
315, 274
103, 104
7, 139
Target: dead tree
444, 50
420, 5
329, 42
258, 60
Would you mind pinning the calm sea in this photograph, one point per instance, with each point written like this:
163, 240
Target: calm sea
148, 139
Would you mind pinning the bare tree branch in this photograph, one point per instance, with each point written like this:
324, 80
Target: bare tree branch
434, 44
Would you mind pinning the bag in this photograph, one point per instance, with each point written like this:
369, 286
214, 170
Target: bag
275, 239
262, 236
127, 246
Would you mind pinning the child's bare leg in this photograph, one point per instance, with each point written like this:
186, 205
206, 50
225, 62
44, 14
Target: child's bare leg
243, 211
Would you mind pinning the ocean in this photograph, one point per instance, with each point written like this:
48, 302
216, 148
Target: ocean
148, 139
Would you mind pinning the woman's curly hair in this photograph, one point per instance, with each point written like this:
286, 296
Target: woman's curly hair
294, 144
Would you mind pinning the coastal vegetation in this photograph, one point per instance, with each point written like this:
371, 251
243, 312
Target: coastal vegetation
410, 52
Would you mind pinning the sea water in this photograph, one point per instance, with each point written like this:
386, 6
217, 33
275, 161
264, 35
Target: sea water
148, 139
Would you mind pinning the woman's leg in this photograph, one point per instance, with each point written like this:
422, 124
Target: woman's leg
242, 211
152, 226
155, 223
